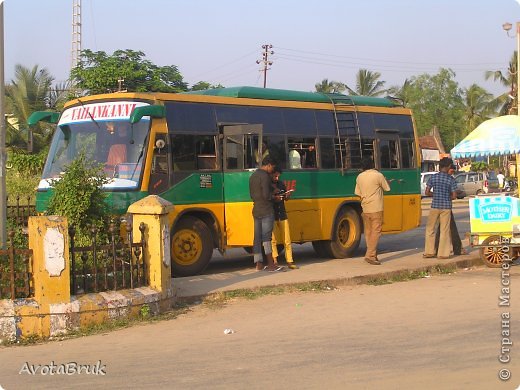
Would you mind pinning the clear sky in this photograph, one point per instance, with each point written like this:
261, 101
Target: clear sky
219, 41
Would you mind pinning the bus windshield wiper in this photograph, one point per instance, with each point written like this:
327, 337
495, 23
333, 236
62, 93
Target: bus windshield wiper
89, 114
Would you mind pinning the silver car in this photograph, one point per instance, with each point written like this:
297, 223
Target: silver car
472, 183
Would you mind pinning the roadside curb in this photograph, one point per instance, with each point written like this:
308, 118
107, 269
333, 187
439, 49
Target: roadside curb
432, 269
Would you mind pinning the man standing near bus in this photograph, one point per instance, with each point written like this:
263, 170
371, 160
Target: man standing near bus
370, 185
261, 192
443, 188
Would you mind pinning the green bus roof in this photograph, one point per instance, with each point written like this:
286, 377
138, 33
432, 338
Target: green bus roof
284, 94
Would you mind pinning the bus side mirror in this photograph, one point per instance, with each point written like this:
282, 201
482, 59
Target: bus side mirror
154, 111
45, 116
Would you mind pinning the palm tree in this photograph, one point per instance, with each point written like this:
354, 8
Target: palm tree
508, 100
368, 84
401, 92
479, 105
326, 86
28, 92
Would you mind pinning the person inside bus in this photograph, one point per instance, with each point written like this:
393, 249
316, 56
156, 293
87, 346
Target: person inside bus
117, 152
281, 221
295, 160
265, 153
309, 157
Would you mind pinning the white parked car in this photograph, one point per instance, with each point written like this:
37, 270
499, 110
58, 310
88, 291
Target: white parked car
425, 176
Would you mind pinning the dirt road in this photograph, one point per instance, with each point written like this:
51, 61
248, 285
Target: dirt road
442, 332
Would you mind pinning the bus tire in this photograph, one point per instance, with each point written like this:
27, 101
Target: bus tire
191, 247
319, 248
346, 234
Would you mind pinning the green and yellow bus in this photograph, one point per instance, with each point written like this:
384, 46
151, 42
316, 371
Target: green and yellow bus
198, 150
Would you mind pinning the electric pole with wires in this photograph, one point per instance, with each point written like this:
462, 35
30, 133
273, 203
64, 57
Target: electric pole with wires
265, 60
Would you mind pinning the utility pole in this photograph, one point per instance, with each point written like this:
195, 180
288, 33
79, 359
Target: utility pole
76, 33
3, 157
265, 60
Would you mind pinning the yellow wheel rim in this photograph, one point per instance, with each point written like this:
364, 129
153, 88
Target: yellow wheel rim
186, 247
346, 232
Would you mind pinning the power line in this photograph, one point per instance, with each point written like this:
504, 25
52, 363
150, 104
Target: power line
378, 60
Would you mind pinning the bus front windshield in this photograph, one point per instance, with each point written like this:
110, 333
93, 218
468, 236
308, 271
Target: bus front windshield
116, 144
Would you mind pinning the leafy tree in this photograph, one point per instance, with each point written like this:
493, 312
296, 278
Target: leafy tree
203, 85
479, 105
508, 104
98, 72
28, 92
326, 86
437, 101
368, 84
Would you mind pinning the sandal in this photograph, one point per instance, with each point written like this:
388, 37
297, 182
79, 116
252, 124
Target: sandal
276, 269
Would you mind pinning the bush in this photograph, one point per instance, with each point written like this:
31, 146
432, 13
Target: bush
78, 195
27, 164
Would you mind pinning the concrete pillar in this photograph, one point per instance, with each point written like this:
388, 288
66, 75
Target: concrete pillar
49, 241
153, 212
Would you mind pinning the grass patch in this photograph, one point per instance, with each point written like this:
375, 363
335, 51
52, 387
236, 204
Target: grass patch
219, 300
411, 275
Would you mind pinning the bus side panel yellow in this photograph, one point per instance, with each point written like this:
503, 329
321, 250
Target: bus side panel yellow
239, 224
411, 211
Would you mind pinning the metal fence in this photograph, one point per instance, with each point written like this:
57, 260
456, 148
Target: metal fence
15, 271
21, 210
116, 264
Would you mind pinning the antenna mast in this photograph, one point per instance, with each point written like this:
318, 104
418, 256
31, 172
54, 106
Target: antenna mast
76, 32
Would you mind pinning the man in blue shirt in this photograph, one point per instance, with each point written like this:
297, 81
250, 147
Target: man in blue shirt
442, 187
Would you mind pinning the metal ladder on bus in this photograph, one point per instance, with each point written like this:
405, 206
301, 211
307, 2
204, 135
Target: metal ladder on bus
347, 124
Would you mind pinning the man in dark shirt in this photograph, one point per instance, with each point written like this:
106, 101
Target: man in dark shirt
261, 192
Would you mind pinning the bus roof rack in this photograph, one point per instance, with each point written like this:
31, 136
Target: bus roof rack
285, 94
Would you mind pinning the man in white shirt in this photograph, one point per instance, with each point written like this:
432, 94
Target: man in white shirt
501, 180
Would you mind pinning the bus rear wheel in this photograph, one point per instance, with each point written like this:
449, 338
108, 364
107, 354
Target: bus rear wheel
191, 247
346, 235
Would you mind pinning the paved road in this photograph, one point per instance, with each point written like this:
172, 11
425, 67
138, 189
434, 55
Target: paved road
442, 332
236, 259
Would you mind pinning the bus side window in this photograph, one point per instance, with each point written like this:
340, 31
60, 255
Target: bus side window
388, 154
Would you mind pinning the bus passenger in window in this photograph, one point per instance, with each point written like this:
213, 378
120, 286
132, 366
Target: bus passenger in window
265, 153
310, 157
295, 160
281, 221
370, 185
117, 152
261, 192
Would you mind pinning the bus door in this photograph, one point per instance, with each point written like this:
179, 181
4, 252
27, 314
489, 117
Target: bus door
242, 146
388, 161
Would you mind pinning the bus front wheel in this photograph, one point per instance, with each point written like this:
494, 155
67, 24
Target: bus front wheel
191, 247
346, 235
